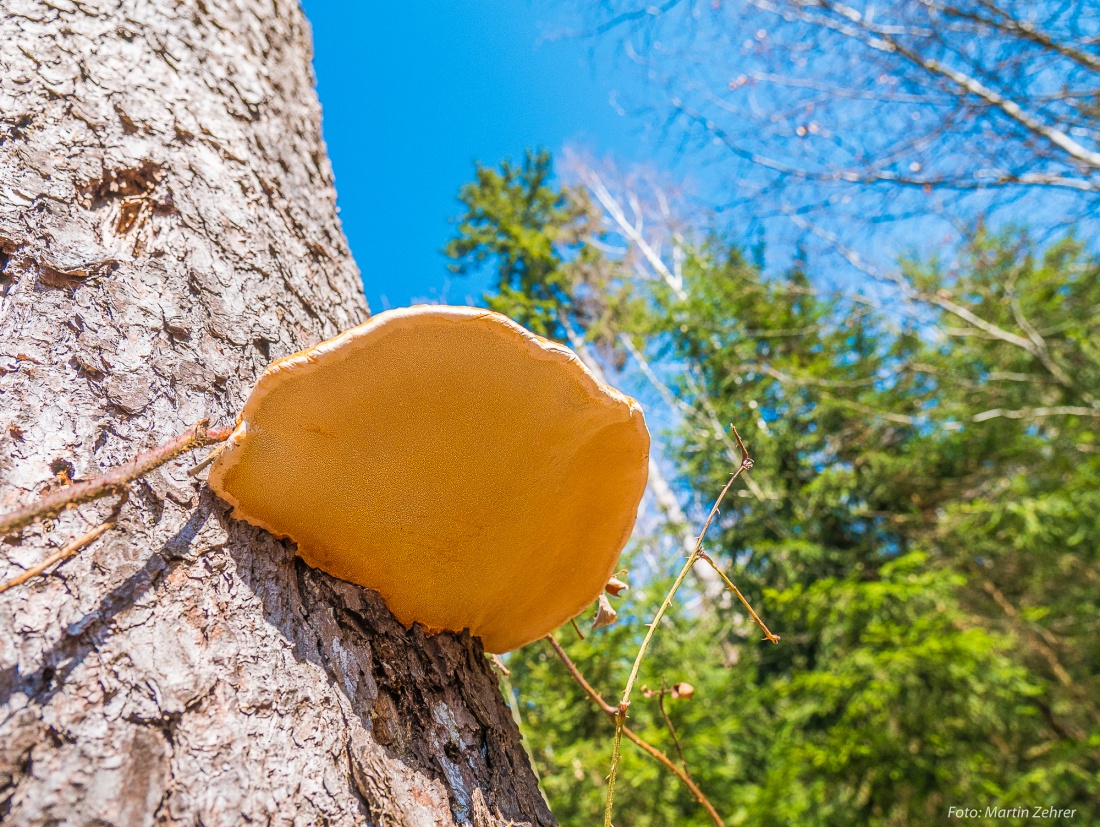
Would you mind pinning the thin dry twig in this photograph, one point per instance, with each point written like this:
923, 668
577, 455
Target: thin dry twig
196, 469
768, 636
620, 728
115, 480
70, 549
668, 723
632, 736
576, 628
624, 703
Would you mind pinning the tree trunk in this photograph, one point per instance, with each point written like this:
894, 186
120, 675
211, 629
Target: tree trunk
168, 227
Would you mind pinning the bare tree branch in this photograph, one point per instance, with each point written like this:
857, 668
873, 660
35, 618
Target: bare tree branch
1022, 29
1032, 413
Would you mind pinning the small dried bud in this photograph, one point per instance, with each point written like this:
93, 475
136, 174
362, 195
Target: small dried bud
605, 615
683, 690
615, 585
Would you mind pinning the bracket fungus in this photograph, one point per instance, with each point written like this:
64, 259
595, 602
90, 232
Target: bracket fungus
474, 474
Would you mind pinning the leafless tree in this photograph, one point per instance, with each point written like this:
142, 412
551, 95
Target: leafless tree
874, 112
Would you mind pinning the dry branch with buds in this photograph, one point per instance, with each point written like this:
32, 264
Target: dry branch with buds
697, 554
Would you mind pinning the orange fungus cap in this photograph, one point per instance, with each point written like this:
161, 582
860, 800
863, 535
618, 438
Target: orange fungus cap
474, 474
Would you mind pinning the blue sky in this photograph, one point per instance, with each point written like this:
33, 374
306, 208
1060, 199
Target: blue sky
414, 93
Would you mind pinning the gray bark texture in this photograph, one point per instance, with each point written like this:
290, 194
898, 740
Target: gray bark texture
167, 228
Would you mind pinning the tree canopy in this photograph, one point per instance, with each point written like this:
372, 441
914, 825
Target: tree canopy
921, 528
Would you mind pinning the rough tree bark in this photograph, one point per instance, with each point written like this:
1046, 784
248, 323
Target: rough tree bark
168, 226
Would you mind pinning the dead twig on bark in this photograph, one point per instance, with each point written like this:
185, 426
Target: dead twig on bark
196, 469
115, 480
632, 736
70, 549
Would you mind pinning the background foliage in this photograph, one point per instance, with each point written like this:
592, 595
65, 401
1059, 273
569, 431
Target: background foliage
922, 531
